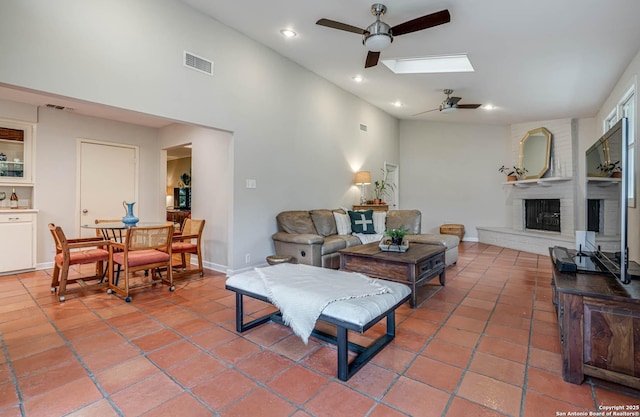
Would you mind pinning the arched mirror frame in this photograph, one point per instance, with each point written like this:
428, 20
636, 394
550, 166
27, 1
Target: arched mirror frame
547, 156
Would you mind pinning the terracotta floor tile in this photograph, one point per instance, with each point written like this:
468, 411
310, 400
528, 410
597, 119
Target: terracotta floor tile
409, 340
466, 323
450, 353
100, 408
394, 359
546, 342
236, 350
536, 405
426, 401
63, 399
382, 410
339, 400
196, 369
265, 365
507, 333
125, 374
458, 336
178, 406
293, 348
156, 340
437, 374
191, 327
498, 368
476, 313
298, 384
323, 360
523, 323
39, 361
503, 349
552, 385
546, 360
102, 341
421, 327
100, 360
212, 338
33, 346
146, 394
8, 397
260, 402
491, 393
170, 355
372, 380
463, 408
268, 334
47, 379
429, 315
223, 389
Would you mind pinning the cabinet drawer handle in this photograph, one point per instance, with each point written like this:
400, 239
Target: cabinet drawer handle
14, 218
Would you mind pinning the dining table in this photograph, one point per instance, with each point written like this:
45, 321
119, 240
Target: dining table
116, 231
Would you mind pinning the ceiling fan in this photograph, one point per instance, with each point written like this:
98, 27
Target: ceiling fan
379, 35
450, 104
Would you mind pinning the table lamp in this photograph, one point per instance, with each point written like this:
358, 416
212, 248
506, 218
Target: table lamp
363, 178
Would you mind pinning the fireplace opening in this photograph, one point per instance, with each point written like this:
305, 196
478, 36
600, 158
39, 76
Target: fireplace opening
542, 214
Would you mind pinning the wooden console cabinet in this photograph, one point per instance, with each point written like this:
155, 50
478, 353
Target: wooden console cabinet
599, 323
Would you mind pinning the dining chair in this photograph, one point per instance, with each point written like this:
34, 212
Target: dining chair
144, 248
77, 252
189, 241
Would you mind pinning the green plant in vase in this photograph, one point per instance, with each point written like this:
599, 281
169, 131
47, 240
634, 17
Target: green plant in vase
396, 235
514, 173
383, 187
610, 169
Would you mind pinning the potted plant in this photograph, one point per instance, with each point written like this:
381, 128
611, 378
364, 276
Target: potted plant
611, 169
396, 235
514, 173
381, 188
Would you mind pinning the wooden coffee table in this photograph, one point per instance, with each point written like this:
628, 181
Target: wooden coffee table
419, 264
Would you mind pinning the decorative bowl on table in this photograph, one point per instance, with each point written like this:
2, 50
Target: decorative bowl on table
386, 245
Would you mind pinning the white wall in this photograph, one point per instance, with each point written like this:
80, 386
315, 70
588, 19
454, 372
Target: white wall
450, 173
56, 165
295, 133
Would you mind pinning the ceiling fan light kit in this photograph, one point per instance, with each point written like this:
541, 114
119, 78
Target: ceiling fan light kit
450, 104
379, 35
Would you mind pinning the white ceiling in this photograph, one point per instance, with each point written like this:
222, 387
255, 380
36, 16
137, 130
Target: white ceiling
534, 60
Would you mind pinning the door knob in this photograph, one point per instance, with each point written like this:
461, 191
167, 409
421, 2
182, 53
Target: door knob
85, 211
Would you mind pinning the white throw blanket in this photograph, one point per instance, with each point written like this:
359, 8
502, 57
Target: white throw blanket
301, 292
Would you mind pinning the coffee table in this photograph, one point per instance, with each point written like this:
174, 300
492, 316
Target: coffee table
418, 265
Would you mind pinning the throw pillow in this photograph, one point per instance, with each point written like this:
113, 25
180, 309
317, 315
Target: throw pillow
379, 221
343, 223
362, 221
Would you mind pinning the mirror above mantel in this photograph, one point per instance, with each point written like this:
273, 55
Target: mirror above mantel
535, 153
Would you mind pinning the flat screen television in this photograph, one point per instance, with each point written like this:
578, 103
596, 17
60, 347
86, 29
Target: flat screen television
606, 204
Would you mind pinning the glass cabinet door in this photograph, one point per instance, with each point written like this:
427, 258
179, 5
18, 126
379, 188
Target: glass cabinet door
15, 157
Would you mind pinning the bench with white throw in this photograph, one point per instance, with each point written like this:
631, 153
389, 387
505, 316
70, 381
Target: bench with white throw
304, 294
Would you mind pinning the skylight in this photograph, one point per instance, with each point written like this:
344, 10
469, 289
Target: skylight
430, 64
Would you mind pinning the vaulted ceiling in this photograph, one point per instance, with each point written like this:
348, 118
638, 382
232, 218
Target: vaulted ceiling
533, 60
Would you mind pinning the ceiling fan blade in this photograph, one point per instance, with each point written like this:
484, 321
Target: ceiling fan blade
452, 101
424, 22
427, 111
340, 26
468, 106
372, 59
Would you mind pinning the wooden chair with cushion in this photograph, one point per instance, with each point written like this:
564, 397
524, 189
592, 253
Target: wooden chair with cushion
144, 248
189, 241
77, 252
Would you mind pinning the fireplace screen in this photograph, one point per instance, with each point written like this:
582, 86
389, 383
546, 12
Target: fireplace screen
542, 214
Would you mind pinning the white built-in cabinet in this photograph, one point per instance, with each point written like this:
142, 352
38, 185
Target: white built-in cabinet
18, 240
17, 226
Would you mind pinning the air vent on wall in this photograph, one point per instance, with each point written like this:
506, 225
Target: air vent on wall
198, 63
59, 107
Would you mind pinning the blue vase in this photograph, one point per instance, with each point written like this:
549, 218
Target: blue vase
129, 219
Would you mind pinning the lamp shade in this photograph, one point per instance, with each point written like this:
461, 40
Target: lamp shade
363, 177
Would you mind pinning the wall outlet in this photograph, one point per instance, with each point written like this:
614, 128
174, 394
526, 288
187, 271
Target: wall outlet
247, 258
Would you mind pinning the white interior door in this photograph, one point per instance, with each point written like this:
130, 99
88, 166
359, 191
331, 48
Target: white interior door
392, 177
108, 175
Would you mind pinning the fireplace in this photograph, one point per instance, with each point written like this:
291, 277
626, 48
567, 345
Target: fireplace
542, 214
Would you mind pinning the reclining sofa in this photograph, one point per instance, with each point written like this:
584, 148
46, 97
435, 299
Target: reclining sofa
311, 237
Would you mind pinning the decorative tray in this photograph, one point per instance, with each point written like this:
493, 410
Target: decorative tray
386, 246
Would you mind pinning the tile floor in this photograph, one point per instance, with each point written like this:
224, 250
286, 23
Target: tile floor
485, 345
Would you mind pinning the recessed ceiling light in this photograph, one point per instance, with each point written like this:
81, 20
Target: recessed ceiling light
430, 64
288, 33
358, 78
397, 104
489, 107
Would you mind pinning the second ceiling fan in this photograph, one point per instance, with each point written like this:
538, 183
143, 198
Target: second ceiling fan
450, 104
379, 35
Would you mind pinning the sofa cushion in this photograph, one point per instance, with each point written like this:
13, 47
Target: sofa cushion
324, 222
343, 223
410, 219
379, 221
362, 221
333, 244
296, 221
